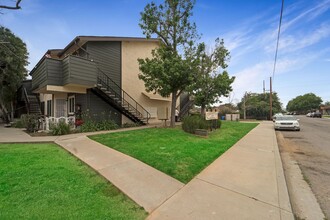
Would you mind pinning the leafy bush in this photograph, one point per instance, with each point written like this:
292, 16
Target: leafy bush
99, 122
91, 125
31, 122
60, 128
21, 123
193, 122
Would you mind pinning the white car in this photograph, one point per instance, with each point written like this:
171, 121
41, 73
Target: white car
287, 122
277, 115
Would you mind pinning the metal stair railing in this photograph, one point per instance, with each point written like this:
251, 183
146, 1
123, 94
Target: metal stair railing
186, 107
122, 97
27, 101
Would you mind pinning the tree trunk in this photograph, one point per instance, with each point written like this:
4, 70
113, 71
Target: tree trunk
5, 112
12, 110
203, 110
173, 106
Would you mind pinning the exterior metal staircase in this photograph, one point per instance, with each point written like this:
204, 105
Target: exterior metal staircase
112, 93
188, 103
32, 103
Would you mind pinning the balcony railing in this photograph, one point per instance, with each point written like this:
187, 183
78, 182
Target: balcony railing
71, 70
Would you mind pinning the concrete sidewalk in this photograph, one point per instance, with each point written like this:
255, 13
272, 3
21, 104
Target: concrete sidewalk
145, 185
246, 182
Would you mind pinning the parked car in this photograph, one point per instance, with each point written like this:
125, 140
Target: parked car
317, 115
287, 122
309, 114
277, 115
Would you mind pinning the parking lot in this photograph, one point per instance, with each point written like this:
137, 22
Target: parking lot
310, 147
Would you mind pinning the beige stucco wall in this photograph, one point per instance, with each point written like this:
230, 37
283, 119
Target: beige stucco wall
131, 51
43, 98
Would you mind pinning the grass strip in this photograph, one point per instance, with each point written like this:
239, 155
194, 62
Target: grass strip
43, 181
173, 151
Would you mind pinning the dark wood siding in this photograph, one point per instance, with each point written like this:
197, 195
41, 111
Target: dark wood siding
107, 55
77, 70
49, 72
97, 108
54, 70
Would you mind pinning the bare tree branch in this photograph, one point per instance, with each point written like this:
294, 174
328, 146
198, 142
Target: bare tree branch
12, 7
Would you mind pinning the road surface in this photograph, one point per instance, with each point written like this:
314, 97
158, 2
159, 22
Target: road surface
311, 149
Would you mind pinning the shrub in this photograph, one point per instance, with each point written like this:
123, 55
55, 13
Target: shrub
103, 125
31, 122
214, 124
193, 122
60, 128
21, 123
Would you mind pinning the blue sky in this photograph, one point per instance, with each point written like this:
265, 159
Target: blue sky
248, 27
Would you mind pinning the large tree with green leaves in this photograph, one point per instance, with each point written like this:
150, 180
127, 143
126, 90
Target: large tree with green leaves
304, 103
257, 105
211, 79
13, 60
168, 72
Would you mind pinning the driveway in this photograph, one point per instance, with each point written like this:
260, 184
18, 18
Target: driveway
311, 149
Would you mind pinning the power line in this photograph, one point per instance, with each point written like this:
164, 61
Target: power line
278, 38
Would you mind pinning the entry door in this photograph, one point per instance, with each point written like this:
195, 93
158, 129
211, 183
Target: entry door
61, 106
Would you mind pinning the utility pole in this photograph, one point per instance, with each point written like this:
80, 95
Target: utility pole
270, 100
244, 106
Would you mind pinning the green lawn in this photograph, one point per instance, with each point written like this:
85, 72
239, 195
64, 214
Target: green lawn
43, 181
174, 152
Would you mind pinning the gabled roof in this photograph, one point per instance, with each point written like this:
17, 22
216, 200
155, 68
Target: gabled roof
81, 40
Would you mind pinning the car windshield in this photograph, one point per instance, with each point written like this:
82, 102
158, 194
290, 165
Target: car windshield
285, 118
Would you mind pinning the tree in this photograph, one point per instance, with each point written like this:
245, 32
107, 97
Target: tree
257, 105
304, 103
16, 7
210, 83
168, 72
13, 60
327, 103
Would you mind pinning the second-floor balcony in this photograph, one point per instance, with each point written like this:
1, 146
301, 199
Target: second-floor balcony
72, 74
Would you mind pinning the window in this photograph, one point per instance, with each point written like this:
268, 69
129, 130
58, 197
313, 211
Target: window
49, 108
71, 105
42, 106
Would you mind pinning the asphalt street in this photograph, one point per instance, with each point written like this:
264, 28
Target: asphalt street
312, 152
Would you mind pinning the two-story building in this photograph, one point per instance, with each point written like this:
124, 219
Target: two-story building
98, 75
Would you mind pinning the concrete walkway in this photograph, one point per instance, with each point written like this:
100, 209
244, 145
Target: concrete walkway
246, 182
145, 185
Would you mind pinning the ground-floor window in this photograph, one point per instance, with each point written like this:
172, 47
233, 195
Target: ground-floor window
42, 107
49, 107
71, 105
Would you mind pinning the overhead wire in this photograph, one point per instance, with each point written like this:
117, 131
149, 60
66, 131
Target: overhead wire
278, 38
